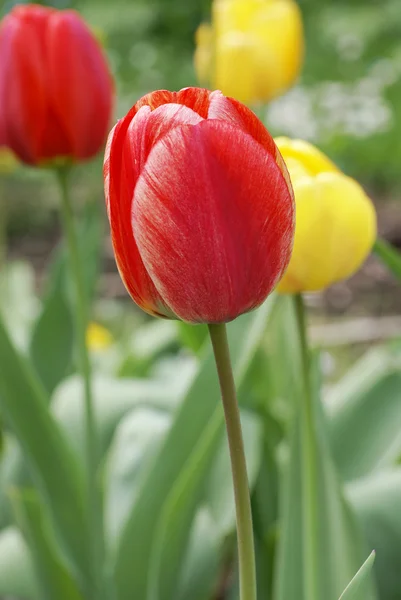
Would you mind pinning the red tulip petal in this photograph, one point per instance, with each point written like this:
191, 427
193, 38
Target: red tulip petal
213, 243
128, 147
80, 84
5, 34
22, 53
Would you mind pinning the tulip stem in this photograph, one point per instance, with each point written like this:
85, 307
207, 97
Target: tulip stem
246, 551
81, 322
309, 456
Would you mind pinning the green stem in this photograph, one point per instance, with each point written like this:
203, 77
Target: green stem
246, 551
81, 322
309, 456
3, 227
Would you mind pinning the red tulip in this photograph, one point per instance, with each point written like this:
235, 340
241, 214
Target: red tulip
55, 86
200, 206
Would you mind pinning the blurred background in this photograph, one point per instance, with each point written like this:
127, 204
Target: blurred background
347, 101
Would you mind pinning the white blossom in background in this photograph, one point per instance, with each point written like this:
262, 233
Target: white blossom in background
317, 113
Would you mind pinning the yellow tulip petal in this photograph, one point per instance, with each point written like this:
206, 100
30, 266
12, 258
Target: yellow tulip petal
257, 48
308, 156
204, 53
234, 74
235, 15
308, 269
354, 223
334, 233
280, 46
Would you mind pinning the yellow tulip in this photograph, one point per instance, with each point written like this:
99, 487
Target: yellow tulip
253, 50
98, 338
335, 221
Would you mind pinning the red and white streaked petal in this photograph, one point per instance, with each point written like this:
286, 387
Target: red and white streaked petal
127, 150
106, 169
119, 186
195, 98
213, 243
81, 96
147, 127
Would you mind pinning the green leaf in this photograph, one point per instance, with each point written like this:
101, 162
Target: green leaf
364, 414
51, 348
136, 441
376, 500
52, 341
175, 520
54, 470
173, 483
202, 560
338, 549
17, 578
153, 338
389, 256
358, 587
113, 399
193, 336
19, 304
13, 473
55, 581
219, 498
265, 508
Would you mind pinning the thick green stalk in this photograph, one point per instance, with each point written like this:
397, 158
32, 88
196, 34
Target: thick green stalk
81, 322
246, 551
309, 457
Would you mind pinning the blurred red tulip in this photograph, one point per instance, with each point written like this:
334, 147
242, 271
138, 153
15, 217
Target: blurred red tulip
55, 86
200, 206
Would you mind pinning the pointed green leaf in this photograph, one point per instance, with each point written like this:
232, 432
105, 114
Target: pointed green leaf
376, 500
358, 588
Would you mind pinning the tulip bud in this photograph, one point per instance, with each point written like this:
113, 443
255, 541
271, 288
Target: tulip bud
336, 221
200, 206
253, 49
55, 86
